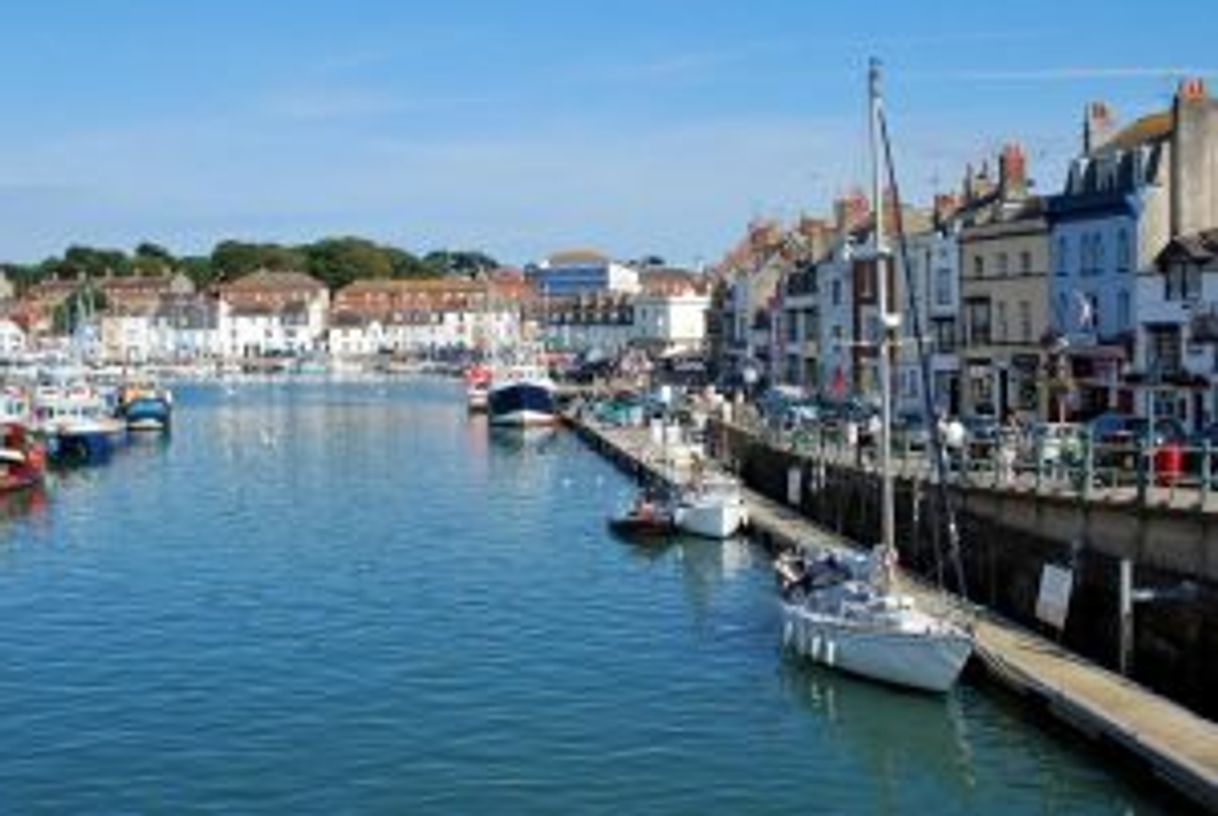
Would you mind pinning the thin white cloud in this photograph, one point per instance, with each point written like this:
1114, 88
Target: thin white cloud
1074, 73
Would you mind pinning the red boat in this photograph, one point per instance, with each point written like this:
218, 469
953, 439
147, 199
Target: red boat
477, 387
478, 374
23, 461
649, 517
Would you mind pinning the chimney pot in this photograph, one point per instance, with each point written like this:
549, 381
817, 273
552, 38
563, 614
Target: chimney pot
1192, 89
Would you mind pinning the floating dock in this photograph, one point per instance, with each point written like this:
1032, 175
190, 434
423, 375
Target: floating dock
1178, 746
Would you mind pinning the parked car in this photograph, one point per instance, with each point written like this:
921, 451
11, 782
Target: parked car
1118, 438
1117, 429
785, 407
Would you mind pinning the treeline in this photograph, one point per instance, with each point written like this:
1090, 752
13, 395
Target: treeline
334, 261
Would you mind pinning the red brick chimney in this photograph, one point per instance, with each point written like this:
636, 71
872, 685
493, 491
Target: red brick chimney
1192, 90
1012, 172
851, 211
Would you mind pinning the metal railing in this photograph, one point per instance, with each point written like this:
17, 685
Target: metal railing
1182, 476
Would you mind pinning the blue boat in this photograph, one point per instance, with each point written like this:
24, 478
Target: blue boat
76, 426
145, 407
522, 401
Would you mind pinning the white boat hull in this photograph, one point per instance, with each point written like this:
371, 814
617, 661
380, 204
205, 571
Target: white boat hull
928, 661
524, 418
718, 520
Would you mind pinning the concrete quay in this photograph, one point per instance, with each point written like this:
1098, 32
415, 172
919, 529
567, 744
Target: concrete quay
1176, 745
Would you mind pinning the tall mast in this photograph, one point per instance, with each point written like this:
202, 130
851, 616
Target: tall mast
887, 319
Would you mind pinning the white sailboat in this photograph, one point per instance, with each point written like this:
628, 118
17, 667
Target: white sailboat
844, 611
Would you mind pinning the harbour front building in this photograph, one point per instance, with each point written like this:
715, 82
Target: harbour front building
274, 313
1174, 372
670, 311
582, 272
601, 323
1004, 261
1182, 330
1108, 225
750, 275
426, 316
934, 266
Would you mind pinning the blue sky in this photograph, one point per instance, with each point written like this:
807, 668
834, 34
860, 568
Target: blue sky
519, 128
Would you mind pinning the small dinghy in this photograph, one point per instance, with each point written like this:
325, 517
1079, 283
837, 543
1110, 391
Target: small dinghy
650, 516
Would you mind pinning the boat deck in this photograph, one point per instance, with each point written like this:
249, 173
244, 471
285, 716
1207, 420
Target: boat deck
1178, 745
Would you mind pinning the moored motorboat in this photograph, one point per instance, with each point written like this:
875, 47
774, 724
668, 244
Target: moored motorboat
75, 424
649, 516
22, 458
145, 407
477, 388
711, 508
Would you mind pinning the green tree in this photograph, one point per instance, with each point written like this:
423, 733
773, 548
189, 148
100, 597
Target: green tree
199, 269
338, 261
232, 259
466, 263
83, 261
152, 259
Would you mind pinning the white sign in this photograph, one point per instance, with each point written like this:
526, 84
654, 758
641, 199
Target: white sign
1053, 603
794, 485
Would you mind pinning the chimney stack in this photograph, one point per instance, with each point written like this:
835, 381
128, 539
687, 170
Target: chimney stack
1194, 159
851, 211
1098, 126
945, 207
816, 233
1012, 172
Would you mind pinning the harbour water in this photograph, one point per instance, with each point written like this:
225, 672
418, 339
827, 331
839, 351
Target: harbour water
353, 598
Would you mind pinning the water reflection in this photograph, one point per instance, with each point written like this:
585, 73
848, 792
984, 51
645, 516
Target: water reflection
892, 731
706, 565
523, 440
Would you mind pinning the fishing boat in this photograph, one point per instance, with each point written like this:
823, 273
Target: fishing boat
145, 406
843, 611
521, 393
22, 458
711, 508
75, 424
477, 388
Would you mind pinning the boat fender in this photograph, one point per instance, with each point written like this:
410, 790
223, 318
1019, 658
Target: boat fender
830, 653
815, 649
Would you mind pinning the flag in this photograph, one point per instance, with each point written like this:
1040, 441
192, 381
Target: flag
1086, 311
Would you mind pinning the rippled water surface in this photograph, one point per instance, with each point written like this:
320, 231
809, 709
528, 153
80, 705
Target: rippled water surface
351, 598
